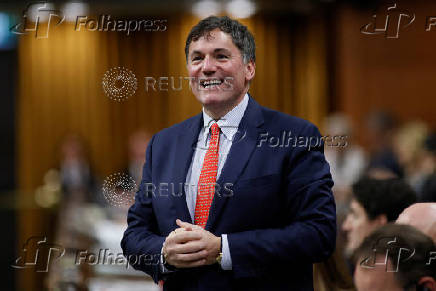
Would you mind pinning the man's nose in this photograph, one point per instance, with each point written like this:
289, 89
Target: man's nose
209, 66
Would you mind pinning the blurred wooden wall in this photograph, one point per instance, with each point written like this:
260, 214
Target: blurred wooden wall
60, 91
373, 72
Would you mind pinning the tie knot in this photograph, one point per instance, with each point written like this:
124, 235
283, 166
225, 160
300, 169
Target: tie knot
215, 129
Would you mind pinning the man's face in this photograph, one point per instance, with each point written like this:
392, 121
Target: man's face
375, 278
218, 76
357, 225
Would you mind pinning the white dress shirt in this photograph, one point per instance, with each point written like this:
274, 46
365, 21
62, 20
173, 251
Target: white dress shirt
228, 124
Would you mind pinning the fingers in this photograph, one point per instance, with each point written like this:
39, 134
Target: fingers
186, 224
183, 224
187, 258
192, 264
189, 247
184, 247
183, 237
186, 255
172, 248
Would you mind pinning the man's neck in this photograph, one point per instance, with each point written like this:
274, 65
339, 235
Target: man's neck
220, 111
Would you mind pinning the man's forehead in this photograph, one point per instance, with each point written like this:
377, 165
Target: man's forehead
355, 204
210, 38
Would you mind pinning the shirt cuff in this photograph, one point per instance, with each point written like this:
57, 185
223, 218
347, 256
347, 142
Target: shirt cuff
226, 260
163, 269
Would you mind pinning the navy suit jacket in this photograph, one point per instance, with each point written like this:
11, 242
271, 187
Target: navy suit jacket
273, 200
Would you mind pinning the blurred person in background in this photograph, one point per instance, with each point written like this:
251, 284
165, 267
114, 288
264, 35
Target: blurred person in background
409, 146
136, 146
422, 216
383, 163
428, 190
79, 191
77, 180
333, 274
374, 203
395, 257
346, 163
138, 142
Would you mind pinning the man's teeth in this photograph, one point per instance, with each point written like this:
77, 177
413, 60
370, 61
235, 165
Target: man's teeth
211, 83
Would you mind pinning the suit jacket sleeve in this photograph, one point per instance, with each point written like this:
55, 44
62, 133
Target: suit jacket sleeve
140, 243
310, 234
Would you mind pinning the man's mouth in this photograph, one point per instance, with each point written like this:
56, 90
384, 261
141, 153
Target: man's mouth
210, 83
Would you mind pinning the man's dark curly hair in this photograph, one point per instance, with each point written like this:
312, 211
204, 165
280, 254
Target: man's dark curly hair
389, 197
241, 36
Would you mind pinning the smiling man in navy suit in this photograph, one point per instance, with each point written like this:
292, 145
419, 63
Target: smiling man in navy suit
239, 196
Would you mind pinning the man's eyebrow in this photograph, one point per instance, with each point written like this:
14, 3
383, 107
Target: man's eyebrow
217, 50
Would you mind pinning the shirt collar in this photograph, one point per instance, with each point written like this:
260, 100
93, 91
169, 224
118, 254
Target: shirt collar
229, 123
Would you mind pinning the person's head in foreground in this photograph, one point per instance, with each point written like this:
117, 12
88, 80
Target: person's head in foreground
396, 257
422, 216
220, 58
374, 203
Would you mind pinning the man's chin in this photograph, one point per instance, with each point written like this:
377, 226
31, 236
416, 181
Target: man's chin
211, 98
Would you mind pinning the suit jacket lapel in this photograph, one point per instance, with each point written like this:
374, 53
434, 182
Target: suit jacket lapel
185, 144
243, 146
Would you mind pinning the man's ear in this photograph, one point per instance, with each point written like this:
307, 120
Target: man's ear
250, 69
428, 283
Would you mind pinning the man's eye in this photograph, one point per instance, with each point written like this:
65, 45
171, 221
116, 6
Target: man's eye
222, 56
196, 58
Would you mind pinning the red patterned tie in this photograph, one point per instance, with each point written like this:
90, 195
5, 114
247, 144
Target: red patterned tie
206, 183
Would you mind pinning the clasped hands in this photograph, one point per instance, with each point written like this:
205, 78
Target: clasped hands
190, 246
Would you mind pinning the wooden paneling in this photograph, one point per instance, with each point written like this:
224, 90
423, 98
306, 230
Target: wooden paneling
59, 91
373, 72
